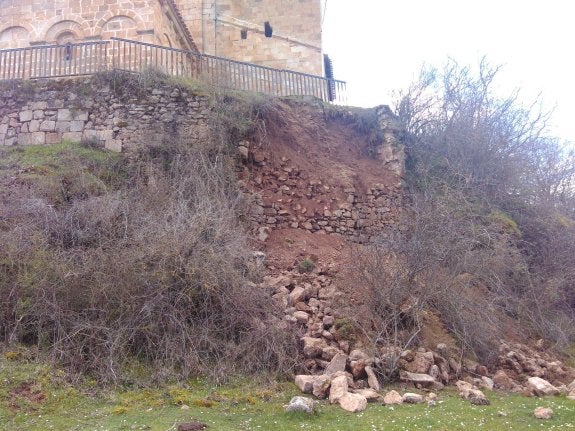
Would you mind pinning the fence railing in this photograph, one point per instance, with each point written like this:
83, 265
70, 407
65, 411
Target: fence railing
54, 61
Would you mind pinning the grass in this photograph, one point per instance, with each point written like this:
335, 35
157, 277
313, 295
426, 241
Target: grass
240, 406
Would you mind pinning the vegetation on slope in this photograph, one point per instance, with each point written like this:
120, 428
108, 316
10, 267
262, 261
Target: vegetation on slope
136, 269
490, 238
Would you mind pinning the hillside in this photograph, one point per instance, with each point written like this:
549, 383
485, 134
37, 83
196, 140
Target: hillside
180, 232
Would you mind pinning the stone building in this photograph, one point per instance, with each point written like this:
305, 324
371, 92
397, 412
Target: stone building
276, 33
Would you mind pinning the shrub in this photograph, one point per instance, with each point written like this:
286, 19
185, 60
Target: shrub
152, 270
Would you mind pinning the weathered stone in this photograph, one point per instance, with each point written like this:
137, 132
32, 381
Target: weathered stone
357, 355
301, 316
411, 398
543, 413
541, 387
392, 397
321, 386
486, 383
337, 363
26, 116
372, 378
305, 383
296, 295
192, 426
47, 126
338, 388
422, 379
313, 347
369, 394
301, 404
420, 364
571, 386
353, 402
502, 381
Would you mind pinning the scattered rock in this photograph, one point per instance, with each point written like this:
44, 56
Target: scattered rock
305, 383
486, 383
369, 394
353, 402
321, 386
571, 386
541, 387
338, 388
411, 398
502, 381
392, 397
543, 413
192, 426
502, 414
313, 347
471, 393
422, 379
301, 404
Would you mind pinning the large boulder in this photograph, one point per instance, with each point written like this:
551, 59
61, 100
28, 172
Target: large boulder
416, 378
392, 397
301, 404
541, 387
353, 402
321, 386
372, 378
313, 347
420, 364
338, 388
337, 363
502, 381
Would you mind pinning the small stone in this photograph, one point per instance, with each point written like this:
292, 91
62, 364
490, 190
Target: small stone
301, 404
411, 398
185, 407
392, 397
543, 413
192, 426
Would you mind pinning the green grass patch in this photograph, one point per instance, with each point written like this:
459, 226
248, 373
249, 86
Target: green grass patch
34, 396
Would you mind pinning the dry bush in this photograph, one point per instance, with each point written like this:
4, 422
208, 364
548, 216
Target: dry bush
494, 195
151, 274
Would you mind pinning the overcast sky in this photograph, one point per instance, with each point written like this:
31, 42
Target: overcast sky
379, 46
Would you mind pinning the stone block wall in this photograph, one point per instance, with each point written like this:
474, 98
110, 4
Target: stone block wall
32, 22
217, 26
37, 113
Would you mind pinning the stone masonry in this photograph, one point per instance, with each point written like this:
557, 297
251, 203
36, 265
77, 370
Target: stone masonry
55, 111
226, 28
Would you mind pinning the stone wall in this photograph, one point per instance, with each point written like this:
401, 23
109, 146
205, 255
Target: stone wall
36, 113
30, 22
295, 44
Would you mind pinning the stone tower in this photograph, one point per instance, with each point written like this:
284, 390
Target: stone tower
237, 29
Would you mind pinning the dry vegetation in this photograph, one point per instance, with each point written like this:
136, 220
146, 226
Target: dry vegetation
490, 235
138, 270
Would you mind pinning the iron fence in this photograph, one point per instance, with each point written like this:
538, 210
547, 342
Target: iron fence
54, 61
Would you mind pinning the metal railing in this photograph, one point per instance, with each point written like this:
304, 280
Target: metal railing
54, 61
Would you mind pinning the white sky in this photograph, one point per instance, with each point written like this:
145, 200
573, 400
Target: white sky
379, 46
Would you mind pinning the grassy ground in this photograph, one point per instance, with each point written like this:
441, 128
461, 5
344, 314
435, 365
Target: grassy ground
34, 396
